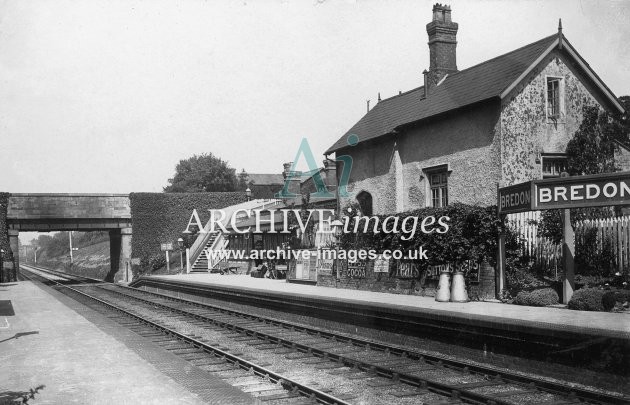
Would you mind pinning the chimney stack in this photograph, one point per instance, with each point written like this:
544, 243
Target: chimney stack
330, 173
292, 183
442, 43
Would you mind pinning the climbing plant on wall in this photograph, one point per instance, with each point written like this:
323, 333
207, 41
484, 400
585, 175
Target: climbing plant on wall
4, 236
161, 217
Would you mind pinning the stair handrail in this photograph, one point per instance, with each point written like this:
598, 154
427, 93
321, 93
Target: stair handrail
202, 239
211, 263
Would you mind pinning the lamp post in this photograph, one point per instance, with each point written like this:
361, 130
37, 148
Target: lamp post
180, 243
248, 193
337, 226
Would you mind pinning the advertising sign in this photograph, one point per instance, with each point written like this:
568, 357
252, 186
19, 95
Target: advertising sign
166, 246
381, 265
405, 269
469, 267
324, 266
302, 268
357, 269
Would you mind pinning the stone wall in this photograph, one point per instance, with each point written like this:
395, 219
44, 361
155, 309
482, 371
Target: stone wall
622, 158
526, 131
66, 206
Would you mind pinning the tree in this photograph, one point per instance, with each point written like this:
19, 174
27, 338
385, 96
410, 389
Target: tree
592, 148
202, 173
590, 151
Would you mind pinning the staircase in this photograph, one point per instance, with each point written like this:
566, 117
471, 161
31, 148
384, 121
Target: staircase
215, 241
201, 264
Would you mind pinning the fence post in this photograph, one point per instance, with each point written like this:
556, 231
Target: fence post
500, 274
568, 253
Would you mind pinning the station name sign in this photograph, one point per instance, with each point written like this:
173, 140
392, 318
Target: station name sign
517, 198
596, 190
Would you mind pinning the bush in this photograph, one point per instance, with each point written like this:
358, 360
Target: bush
587, 299
519, 279
157, 261
472, 234
609, 299
537, 298
622, 296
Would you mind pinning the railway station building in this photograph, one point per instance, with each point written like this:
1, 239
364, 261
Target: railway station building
464, 132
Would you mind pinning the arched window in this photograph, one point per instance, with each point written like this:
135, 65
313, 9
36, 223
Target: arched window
365, 201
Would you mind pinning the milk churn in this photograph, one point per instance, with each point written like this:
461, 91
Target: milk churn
443, 293
458, 288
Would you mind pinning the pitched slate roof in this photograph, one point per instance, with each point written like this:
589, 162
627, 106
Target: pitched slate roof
480, 82
263, 178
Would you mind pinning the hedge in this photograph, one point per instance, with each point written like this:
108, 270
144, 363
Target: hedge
537, 298
472, 235
4, 229
587, 299
161, 217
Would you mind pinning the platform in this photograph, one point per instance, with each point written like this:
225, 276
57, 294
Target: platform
49, 342
573, 337
560, 319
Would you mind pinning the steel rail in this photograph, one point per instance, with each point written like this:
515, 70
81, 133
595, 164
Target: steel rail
296, 387
523, 380
508, 377
415, 381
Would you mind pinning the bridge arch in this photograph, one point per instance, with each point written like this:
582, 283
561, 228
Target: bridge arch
75, 212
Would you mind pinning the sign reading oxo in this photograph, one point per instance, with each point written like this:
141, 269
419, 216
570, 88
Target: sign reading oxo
566, 192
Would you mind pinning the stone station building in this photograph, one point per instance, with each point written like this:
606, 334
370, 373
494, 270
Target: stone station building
464, 133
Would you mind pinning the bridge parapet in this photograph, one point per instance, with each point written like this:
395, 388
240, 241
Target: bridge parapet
46, 212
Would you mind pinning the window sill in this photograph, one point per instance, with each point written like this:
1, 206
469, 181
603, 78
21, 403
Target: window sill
561, 119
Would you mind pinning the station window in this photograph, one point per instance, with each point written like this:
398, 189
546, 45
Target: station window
436, 185
555, 91
553, 165
439, 189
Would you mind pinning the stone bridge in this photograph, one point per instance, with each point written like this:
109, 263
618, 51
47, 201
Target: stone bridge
75, 212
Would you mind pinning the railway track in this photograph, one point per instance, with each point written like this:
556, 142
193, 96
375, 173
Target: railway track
370, 371
267, 386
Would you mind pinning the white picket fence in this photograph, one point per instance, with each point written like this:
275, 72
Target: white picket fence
612, 233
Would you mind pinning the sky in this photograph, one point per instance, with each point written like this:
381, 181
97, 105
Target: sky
107, 96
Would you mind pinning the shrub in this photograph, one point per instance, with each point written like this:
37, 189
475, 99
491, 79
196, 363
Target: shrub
519, 279
587, 299
157, 261
622, 296
537, 298
609, 300
472, 234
